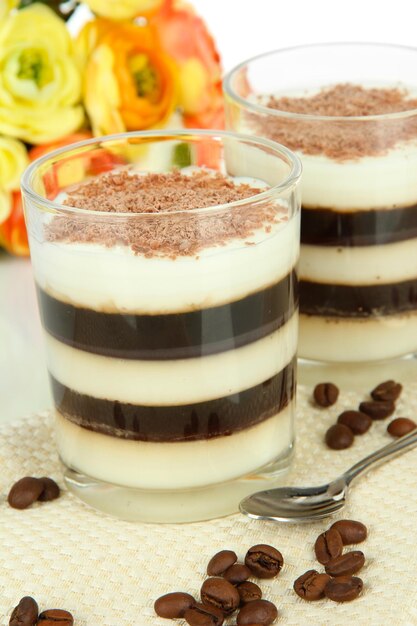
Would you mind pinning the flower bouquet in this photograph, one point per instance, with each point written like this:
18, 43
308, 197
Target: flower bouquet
133, 65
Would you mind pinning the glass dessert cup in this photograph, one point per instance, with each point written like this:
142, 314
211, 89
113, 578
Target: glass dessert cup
171, 335
358, 257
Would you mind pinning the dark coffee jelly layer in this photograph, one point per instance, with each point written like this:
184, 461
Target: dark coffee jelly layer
357, 300
202, 420
176, 335
325, 227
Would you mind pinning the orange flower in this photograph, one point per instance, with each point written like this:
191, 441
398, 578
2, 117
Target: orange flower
39, 151
13, 234
130, 83
185, 37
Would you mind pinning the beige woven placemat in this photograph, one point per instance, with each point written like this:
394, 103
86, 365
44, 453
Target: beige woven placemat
108, 572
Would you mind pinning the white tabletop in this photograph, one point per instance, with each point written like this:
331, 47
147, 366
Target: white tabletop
23, 377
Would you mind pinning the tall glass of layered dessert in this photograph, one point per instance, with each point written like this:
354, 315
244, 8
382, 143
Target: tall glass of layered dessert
165, 264
350, 112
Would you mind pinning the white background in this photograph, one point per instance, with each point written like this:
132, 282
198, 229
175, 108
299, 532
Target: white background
244, 28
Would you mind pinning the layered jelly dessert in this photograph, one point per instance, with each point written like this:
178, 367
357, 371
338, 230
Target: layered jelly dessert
358, 264
171, 327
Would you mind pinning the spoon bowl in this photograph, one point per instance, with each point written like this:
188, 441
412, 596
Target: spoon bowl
296, 504
307, 504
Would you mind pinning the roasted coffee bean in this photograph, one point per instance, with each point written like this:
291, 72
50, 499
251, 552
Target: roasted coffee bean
401, 426
249, 592
264, 561
204, 615
343, 588
51, 490
345, 564
328, 546
25, 613
220, 593
357, 421
339, 437
55, 617
350, 531
326, 394
378, 410
220, 562
257, 612
173, 605
25, 492
389, 390
237, 573
310, 586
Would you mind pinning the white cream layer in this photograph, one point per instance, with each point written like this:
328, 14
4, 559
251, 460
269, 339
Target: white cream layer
388, 180
168, 383
116, 280
182, 465
359, 265
360, 339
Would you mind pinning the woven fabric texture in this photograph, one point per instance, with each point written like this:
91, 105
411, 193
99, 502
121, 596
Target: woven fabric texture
108, 572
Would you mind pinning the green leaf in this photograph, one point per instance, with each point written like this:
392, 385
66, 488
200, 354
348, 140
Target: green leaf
181, 155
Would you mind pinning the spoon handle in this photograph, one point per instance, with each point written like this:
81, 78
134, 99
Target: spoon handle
392, 449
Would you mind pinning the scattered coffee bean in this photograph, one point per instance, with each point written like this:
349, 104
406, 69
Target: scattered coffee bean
264, 561
249, 592
173, 605
328, 546
343, 588
378, 410
220, 593
25, 492
388, 390
357, 421
237, 573
339, 437
51, 490
345, 564
326, 394
204, 615
220, 562
401, 426
310, 586
257, 612
55, 617
350, 531
25, 613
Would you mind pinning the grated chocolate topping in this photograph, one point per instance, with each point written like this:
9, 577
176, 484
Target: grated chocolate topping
340, 140
164, 231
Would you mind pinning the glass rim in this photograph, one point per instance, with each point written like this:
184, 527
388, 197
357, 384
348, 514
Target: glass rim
259, 108
279, 150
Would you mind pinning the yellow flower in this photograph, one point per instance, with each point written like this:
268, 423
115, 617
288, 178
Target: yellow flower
13, 161
6, 6
40, 84
130, 83
123, 9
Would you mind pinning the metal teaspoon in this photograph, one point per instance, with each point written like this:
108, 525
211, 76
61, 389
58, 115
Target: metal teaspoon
307, 504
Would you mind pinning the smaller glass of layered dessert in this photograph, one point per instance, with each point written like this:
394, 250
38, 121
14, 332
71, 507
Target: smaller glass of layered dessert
350, 112
165, 264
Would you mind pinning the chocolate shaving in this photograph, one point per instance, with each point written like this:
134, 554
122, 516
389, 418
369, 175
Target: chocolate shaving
340, 139
170, 228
